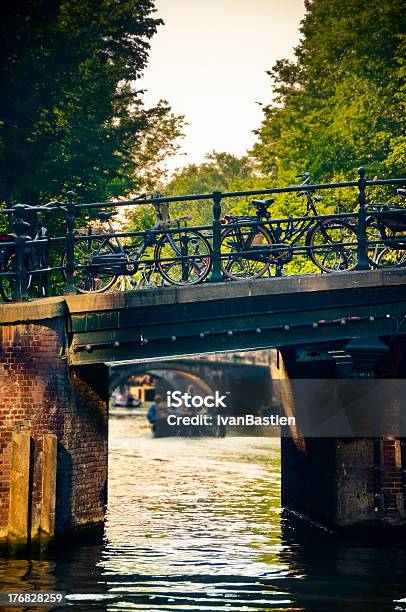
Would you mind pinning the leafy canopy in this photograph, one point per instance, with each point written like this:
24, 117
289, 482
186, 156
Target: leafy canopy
340, 104
70, 114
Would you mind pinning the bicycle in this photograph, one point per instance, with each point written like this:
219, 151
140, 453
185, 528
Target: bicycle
35, 257
180, 256
148, 277
248, 251
390, 226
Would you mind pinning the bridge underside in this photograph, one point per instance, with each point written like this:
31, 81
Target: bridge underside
277, 312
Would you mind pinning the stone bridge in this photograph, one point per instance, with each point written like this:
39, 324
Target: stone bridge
243, 381
54, 383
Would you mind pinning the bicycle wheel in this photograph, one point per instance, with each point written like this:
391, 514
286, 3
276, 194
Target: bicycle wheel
87, 279
191, 255
256, 246
391, 258
151, 277
374, 235
35, 284
327, 251
381, 255
7, 283
148, 278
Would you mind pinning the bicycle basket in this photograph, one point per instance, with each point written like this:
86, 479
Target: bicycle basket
113, 263
395, 221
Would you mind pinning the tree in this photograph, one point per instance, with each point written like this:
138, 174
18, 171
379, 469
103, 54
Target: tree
220, 171
70, 114
340, 104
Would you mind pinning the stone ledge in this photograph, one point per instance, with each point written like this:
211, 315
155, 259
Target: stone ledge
78, 304
37, 310
49, 308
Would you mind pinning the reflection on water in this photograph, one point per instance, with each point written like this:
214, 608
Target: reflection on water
195, 524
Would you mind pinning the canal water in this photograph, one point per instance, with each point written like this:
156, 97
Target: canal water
196, 524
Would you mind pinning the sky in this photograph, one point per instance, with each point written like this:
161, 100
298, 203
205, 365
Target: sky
209, 61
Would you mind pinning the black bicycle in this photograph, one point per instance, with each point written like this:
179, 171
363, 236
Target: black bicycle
251, 244
35, 256
386, 234
178, 255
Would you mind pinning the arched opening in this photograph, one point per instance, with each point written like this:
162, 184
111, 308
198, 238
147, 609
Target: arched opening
145, 384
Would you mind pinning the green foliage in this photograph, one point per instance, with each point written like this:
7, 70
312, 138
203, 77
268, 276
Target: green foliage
70, 115
340, 104
219, 172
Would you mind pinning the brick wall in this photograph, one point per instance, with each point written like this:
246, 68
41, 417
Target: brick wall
39, 393
337, 480
393, 492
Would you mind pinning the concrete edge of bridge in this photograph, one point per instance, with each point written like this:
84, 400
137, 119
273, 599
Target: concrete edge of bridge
36, 310
236, 289
47, 308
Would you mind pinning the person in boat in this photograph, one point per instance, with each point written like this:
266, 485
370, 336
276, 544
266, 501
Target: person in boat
153, 411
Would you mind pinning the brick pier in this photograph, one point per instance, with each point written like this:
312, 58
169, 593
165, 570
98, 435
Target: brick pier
355, 485
42, 399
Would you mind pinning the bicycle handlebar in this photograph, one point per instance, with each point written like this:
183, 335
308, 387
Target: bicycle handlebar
305, 176
141, 196
145, 195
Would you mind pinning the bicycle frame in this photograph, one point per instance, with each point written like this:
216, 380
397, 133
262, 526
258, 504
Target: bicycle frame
293, 232
35, 255
150, 239
383, 228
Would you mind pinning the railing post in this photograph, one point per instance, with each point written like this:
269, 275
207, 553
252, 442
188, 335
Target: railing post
70, 244
216, 275
20, 227
362, 263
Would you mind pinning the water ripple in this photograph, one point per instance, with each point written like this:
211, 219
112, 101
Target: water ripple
196, 525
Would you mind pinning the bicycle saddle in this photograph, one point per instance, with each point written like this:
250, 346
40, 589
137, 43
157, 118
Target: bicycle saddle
183, 219
401, 193
262, 203
105, 216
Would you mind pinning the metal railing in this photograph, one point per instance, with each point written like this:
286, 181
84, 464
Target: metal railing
18, 243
